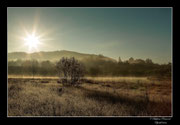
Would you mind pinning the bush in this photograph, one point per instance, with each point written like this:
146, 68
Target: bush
70, 70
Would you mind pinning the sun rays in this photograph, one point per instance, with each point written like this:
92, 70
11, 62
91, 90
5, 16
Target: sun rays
33, 39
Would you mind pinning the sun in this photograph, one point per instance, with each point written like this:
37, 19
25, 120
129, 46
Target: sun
32, 41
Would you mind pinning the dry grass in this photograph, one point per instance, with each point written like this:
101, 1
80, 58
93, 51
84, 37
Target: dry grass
31, 77
119, 79
96, 97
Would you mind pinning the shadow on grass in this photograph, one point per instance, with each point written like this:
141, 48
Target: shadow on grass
100, 96
137, 105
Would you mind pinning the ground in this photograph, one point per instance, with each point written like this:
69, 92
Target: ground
100, 96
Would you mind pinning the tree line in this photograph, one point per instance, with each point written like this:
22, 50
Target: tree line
93, 67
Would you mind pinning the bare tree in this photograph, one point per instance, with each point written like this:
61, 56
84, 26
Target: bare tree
76, 70
70, 70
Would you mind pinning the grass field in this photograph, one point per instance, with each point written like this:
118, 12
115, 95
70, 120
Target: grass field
99, 96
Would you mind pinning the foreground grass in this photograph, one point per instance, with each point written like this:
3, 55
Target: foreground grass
44, 97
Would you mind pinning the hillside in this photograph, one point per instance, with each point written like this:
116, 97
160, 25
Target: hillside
54, 56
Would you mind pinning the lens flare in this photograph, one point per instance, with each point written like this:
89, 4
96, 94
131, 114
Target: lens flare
32, 41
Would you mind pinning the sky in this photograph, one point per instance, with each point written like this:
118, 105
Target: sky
114, 32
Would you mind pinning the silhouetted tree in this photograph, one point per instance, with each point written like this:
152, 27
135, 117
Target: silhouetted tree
76, 70
149, 61
101, 55
119, 60
70, 70
131, 60
139, 61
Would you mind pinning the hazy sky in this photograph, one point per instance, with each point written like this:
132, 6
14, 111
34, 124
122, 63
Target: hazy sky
125, 32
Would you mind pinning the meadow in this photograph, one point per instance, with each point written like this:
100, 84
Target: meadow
95, 96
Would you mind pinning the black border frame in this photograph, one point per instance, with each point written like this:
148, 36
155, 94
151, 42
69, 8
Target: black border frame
3, 86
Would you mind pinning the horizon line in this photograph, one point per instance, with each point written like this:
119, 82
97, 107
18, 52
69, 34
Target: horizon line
90, 54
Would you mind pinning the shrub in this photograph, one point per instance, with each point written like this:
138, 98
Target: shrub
70, 70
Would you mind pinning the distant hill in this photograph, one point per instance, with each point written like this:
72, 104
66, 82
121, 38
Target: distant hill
55, 56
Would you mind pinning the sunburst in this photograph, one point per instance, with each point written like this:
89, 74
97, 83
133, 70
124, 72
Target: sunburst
32, 41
